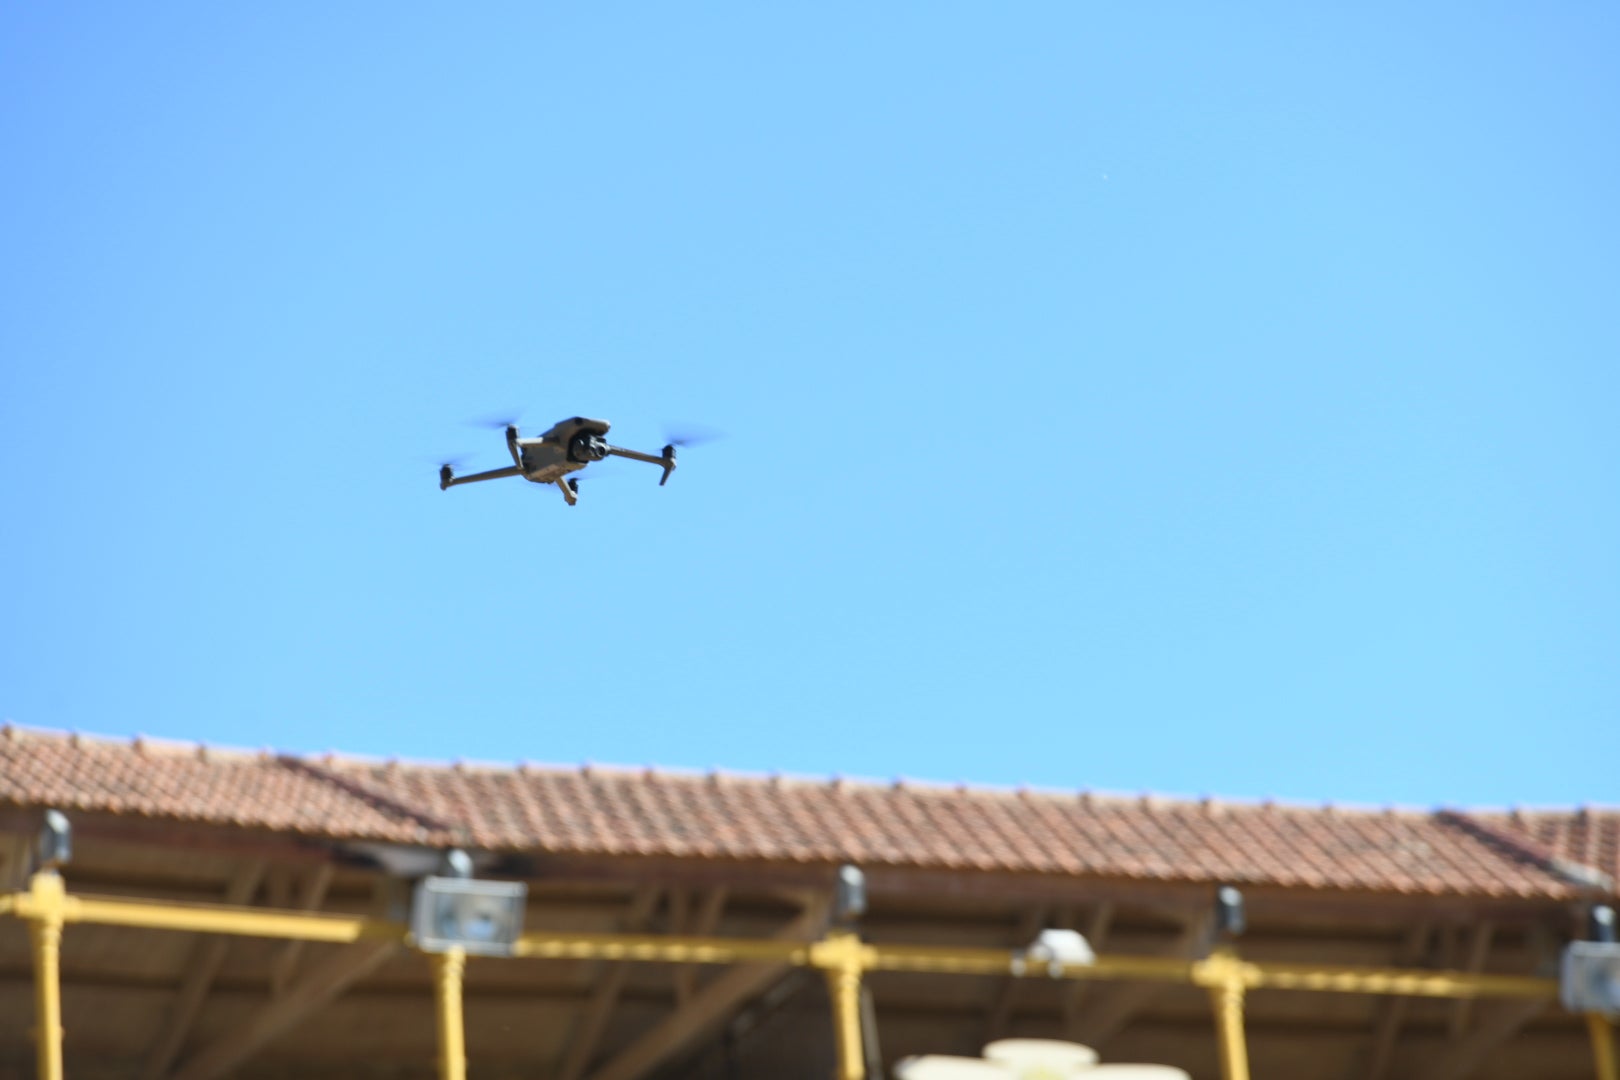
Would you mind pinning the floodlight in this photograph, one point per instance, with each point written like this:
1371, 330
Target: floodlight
849, 898
1600, 923
1590, 980
1056, 949
54, 847
1230, 917
482, 917
456, 864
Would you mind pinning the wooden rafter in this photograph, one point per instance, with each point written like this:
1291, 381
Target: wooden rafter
1118, 1006
680, 903
1031, 923
13, 861
710, 1006
1496, 1026
588, 1033
310, 898
205, 963
1391, 1010
1096, 933
704, 919
1478, 949
318, 985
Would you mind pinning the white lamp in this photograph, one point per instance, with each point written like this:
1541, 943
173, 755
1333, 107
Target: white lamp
1055, 949
481, 917
1590, 980
1041, 1059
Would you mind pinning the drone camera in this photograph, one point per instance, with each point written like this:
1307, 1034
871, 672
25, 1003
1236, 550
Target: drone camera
586, 447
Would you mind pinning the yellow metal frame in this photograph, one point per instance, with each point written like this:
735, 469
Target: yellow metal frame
840, 955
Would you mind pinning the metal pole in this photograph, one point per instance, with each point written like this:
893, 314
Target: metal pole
1229, 1026
45, 928
448, 968
845, 985
1603, 1046
842, 956
1226, 977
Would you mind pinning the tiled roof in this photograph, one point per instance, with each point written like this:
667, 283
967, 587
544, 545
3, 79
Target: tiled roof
1582, 840
164, 780
592, 811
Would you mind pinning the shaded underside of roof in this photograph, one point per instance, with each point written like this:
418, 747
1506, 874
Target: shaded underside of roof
623, 813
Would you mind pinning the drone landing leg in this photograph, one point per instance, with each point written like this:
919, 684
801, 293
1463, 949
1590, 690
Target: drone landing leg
568, 492
667, 459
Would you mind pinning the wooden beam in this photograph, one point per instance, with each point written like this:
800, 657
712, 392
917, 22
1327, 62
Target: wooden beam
1119, 1004
205, 962
317, 986
278, 887
171, 836
1391, 1010
704, 920
680, 903
1096, 934
1478, 949
310, 898
589, 1030
1496, 1026
13, 862
1033, 922
710, 1006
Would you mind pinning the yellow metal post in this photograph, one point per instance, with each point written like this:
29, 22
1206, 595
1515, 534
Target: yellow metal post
842, 956
1229, 1020
448, 968
1227, 978
46, 900
1603, 1046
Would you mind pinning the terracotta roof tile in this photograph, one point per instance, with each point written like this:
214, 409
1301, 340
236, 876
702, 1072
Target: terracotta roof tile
1587, 837
598, 811
149, 779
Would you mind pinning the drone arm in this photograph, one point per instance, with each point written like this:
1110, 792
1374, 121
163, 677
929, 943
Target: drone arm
493, 474
635, 455
667, 460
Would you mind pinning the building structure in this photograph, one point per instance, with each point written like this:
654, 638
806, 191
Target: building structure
755, 858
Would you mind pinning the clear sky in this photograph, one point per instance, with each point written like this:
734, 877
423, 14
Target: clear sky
1186, 398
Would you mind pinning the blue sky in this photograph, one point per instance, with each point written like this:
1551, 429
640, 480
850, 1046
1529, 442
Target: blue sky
1116, 396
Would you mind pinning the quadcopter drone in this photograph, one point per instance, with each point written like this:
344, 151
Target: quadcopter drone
567, 447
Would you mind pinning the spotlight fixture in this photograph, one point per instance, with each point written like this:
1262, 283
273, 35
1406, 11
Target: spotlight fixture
1056, 949
1590, 979
1230, 917
54, 847
849, 897
460, 911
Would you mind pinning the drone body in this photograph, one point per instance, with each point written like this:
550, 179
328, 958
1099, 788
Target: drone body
567, 447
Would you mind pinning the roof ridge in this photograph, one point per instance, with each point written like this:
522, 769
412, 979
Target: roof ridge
377, 800
1528, 849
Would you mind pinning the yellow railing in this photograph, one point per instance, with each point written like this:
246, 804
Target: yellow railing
841, 955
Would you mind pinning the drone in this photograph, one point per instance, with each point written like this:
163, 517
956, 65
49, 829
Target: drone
567, 447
